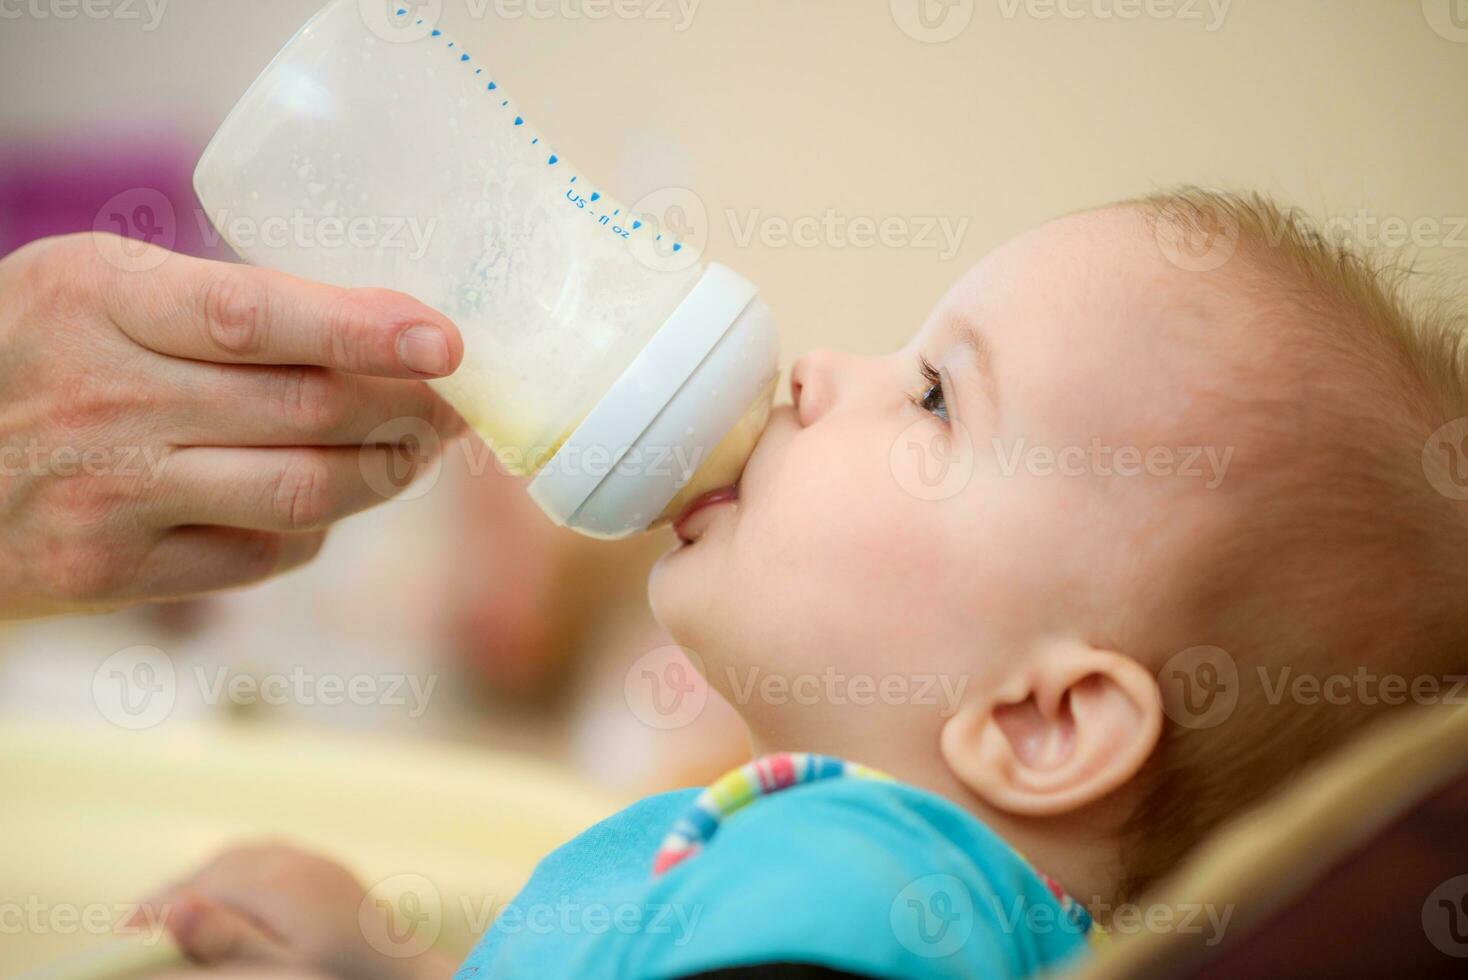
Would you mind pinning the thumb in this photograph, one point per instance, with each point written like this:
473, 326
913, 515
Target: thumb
211, 933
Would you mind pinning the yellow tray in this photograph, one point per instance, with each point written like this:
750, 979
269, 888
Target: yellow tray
93, 818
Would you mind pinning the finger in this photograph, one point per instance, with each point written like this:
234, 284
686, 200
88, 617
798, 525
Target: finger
192, 561
283, 490
295, 406
210, 933
151, 917
141, 914
236, 314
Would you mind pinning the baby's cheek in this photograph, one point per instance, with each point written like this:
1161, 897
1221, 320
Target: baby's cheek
821, 499
841, 522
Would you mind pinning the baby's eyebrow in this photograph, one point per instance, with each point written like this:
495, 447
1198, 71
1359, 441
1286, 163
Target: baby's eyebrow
967, 335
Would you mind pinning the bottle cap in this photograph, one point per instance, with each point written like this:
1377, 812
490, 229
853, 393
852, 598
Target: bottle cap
657, 423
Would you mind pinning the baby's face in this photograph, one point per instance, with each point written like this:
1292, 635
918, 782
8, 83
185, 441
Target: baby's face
893, 529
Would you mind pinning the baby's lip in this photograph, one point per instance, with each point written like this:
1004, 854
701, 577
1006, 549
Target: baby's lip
684, 524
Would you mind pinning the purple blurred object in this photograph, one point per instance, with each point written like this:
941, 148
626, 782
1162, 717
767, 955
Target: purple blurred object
137, 185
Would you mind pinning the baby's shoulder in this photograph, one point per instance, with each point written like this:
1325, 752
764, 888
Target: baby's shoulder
861, 825
872, 877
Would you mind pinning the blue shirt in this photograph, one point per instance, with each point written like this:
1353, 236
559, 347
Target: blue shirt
865, 876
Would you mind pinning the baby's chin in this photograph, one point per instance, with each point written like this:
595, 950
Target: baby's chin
689, 591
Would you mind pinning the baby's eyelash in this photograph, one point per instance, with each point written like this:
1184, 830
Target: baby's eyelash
931, 399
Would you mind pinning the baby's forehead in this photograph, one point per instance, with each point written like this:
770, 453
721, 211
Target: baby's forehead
1096, 283
1092, 331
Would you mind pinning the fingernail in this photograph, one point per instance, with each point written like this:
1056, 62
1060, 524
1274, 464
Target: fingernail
424, 349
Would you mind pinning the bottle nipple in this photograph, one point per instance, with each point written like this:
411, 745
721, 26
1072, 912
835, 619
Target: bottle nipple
723, 466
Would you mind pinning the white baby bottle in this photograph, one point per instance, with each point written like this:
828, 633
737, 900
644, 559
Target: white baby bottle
601, 355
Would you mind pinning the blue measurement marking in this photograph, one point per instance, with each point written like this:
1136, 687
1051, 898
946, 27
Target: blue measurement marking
595, 196
437, 33
463, 57
554, 160
519, 121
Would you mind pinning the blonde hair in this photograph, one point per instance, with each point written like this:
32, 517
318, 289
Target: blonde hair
1344, 555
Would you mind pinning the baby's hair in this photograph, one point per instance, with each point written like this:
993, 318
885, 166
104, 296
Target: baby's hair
1344, 555
1374, 286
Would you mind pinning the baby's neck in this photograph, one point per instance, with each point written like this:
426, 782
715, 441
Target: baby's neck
1075, 850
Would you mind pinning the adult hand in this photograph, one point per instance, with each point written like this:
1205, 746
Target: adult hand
190, 428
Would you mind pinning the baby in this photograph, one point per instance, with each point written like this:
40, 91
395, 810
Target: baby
1139, 464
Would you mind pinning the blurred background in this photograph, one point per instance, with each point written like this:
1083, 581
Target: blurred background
799, 126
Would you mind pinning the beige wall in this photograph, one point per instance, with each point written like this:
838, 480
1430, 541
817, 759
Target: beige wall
791, 108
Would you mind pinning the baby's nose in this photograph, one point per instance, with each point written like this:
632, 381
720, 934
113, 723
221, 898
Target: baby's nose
813, 384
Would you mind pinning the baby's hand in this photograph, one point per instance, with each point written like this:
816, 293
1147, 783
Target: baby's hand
273, 905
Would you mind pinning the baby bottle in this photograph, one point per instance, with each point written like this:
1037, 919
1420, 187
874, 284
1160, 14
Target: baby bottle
602, 356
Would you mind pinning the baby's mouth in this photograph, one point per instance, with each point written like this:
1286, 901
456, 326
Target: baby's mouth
696, 517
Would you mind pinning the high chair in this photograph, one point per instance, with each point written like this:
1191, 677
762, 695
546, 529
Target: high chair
1360, 869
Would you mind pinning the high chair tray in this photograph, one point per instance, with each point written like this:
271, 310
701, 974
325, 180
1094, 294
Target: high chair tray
95, 817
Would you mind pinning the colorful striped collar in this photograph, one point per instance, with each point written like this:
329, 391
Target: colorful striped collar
772, 773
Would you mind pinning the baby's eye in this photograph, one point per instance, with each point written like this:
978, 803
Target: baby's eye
932, 398
932, 401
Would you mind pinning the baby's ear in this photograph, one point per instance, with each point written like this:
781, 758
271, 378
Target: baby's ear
1070, 726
